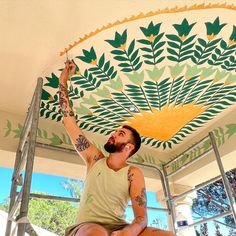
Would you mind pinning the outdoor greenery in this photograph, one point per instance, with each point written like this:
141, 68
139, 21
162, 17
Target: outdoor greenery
53, 215
212, 200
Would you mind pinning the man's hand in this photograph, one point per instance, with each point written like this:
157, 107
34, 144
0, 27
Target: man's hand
68, 71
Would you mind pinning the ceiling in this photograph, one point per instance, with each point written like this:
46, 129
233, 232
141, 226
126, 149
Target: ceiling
166, 69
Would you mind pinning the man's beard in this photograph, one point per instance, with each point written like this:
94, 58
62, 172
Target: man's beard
112, 148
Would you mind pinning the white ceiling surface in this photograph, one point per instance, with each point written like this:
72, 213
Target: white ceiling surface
33, 32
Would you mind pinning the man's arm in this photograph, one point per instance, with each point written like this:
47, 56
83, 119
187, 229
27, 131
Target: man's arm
82, 145
139, 204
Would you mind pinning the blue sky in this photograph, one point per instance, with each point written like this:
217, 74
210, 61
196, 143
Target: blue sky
44, 183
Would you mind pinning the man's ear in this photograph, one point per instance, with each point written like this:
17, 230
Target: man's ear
129, 146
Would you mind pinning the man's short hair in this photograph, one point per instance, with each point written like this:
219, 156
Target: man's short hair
136, 138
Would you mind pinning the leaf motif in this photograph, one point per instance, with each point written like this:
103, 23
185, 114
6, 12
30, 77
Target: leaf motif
101, 61
131, 47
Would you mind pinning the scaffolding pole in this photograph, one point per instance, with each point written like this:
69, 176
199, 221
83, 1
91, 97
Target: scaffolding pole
224, 178
25, 150
173, 199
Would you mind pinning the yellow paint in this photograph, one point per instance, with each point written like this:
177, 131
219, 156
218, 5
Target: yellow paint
231, 42
211, 36
151, 38
93, 62
122, 46
183, 37
149, 14
164, 124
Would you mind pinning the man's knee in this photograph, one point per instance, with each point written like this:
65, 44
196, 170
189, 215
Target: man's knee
149, 231
91, 230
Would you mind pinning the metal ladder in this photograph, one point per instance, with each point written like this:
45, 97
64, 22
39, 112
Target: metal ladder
24, 161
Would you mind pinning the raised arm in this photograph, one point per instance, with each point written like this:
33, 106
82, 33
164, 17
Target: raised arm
83, 146
139, 204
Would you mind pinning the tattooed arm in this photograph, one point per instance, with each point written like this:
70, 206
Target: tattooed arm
82, 145
139, 203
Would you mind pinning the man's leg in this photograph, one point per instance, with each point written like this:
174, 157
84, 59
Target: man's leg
91, 229
149, 231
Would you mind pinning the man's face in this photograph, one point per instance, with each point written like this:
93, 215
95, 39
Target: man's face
118, 140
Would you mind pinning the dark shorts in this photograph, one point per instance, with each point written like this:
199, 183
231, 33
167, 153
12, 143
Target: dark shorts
72, 230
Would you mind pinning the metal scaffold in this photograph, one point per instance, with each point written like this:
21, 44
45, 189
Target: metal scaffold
25, 159
173, 199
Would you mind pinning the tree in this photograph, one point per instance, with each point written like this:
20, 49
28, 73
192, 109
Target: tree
74, 186
204, 229
212, 199
52, 215
217, 227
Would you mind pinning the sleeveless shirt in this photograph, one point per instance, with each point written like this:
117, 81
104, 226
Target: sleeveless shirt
105, 196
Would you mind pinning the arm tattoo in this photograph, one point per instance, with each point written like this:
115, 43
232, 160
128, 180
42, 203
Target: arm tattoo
141, 199
97, 157
130, 176
81, 143
64, 101
141, 221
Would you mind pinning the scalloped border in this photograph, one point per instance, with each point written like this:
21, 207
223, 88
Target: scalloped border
146, 15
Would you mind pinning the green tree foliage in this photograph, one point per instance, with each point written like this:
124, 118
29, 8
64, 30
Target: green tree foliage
204, 230
52, 215
212, 200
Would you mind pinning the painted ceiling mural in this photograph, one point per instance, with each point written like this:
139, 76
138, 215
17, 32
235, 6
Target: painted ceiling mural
167, 73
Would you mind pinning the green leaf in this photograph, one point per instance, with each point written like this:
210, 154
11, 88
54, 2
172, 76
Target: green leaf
188, 47
148, 56
172, 52
158, 37
118, 52
101, 60
160, 60
158, 53
110, 71
39, 133
231, 130
172, 58
188, 40
158, 46
124, 65
144, 41
146, 49
174, 45
202, 42
149, 62
134, 55
131, 47
184, 53
126, 69
138, 66
173, 37
7, 133
214, 42
223, 44
8, 124
121, 58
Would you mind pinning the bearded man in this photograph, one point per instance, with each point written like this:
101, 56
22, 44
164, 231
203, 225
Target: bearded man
110, 181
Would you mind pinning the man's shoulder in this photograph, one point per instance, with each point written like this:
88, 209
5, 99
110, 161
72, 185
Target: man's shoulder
134, 170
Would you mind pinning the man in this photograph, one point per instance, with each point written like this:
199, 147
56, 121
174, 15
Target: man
110, 182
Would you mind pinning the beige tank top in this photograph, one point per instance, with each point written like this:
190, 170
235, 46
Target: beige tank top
105, 195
